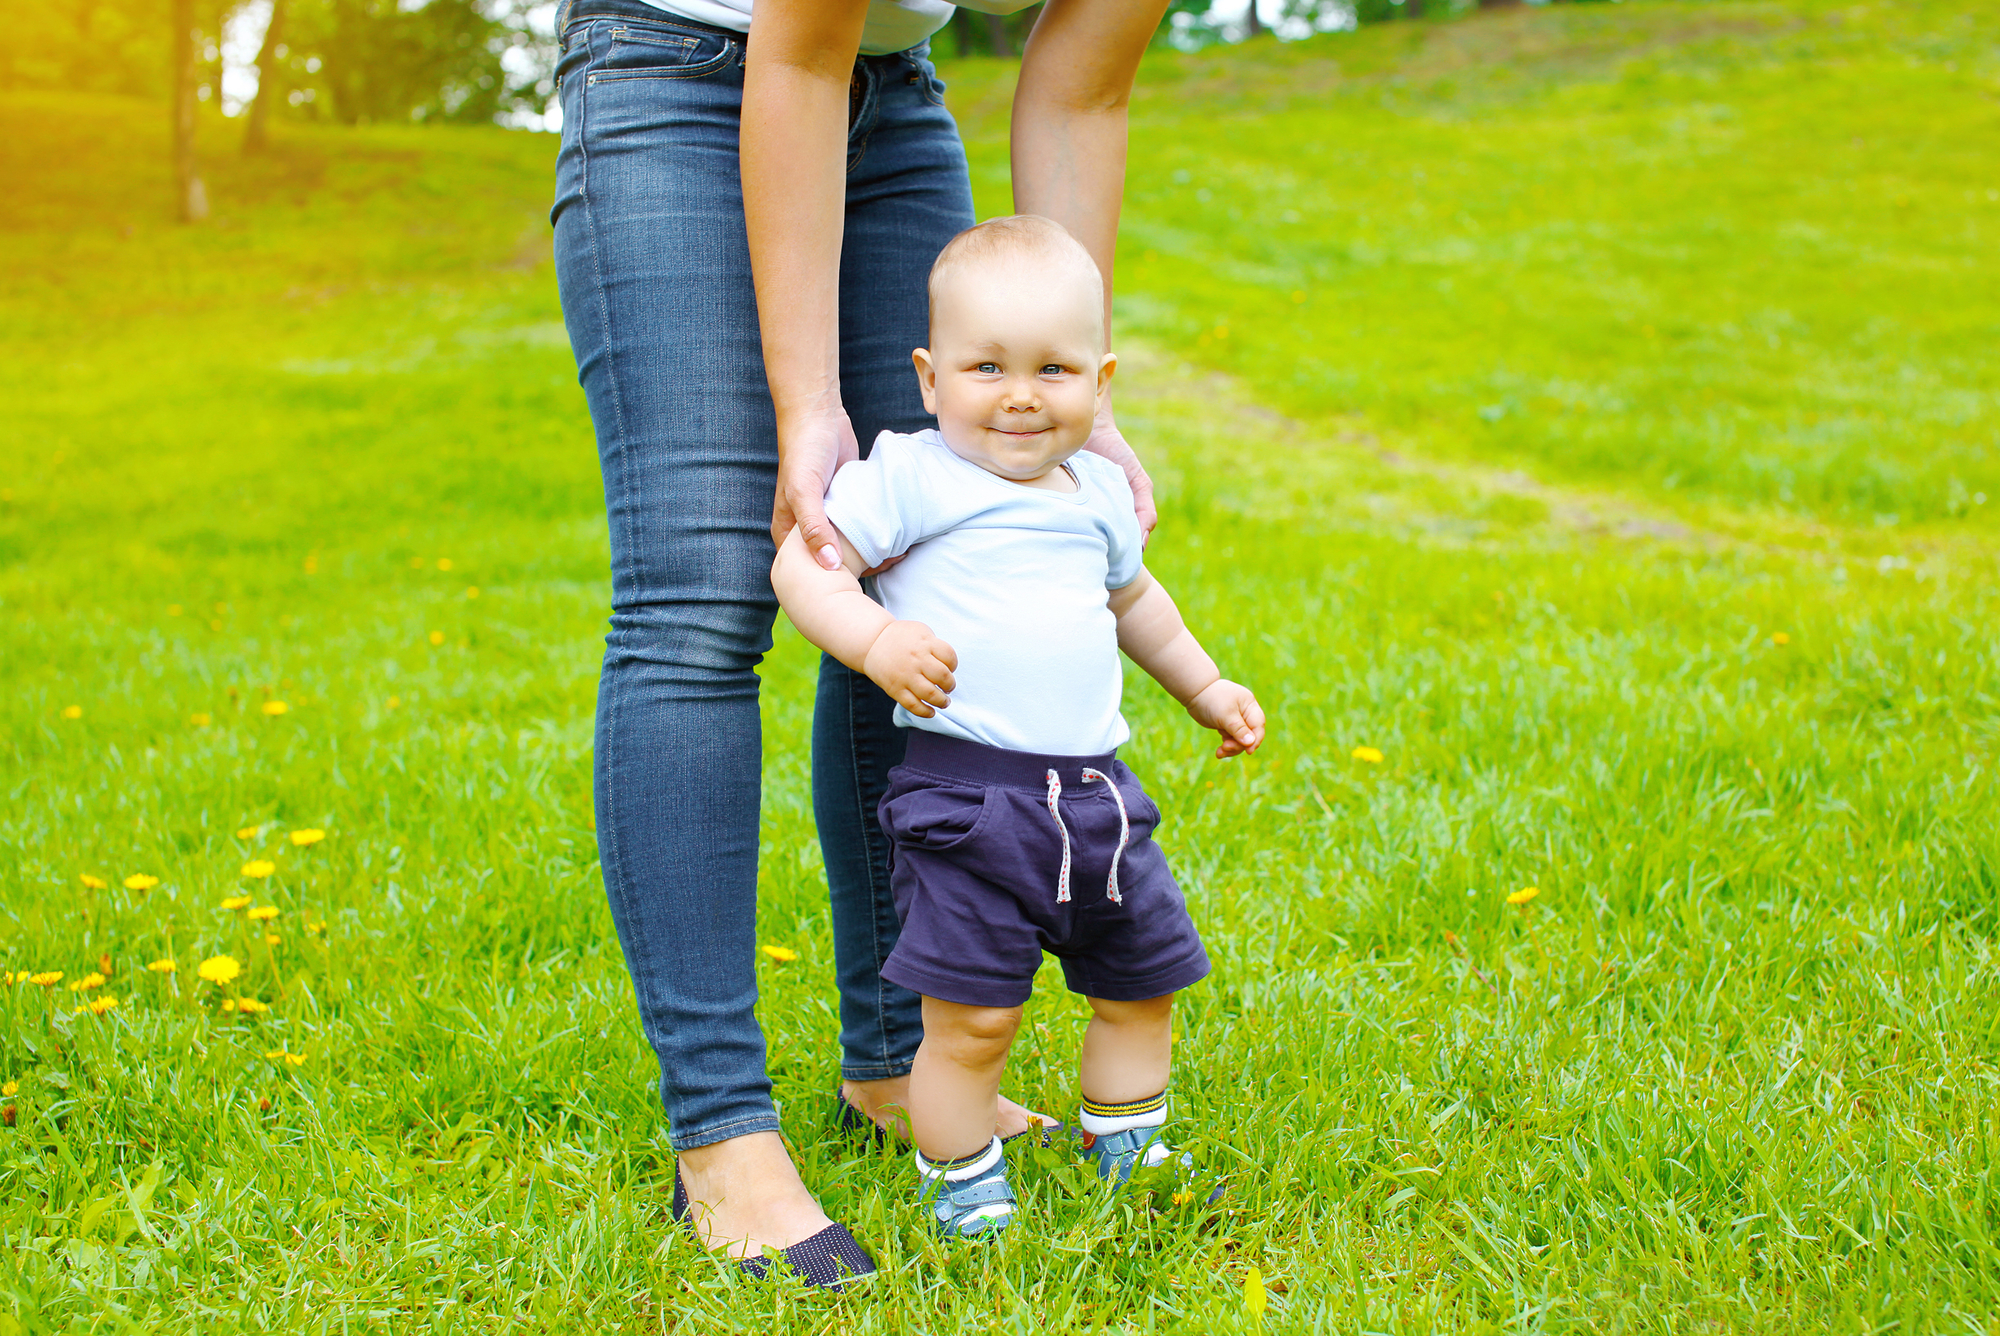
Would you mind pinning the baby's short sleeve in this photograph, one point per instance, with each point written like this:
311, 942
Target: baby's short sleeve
878, 502
1125, 544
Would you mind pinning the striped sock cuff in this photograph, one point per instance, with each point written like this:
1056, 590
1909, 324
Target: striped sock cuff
1101, 1119
965, 1166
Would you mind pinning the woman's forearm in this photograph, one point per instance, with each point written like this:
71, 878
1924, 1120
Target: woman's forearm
1070, 114
794, 161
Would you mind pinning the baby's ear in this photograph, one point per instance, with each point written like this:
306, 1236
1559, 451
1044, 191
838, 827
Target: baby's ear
1105, 370
926, 378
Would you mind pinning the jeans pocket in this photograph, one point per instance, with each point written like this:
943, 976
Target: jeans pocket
932, 85
633, 50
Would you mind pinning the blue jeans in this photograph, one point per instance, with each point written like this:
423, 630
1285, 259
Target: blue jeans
654, 270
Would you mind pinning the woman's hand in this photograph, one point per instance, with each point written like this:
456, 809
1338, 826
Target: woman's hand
1107, 440
810, 452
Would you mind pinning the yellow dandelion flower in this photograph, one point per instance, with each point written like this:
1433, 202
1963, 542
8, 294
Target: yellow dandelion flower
229, 1004
100, 1005
259, 868
200, 720
1253, 1293
87, 982
272, 939
289, 1059
140, 881
252, 1006
316, 927
274, 707
94, 883
1183, 1198
437, 637
1780, 638
219, 969
395, 701
235, 902
472, 591
781, 954
162, 966
263, 913
47, 978
10, 1088
72, 712
1371, 755
1525, 894
302, 838
249, 832
444, 563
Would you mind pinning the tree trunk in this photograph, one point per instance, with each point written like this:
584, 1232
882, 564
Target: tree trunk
996, 29
191, 197
254, 134
1256, 26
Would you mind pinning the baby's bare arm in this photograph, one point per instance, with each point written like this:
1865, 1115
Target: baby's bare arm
1152, 634
829, 609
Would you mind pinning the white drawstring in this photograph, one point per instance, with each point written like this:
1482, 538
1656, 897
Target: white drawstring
1124, 829
1124, 832
1062, 881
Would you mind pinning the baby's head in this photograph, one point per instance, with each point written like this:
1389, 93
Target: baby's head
1017, 363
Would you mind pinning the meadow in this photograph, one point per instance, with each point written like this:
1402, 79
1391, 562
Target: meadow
1578, 423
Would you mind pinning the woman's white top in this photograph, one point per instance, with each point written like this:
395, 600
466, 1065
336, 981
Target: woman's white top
1016, 579
893, 25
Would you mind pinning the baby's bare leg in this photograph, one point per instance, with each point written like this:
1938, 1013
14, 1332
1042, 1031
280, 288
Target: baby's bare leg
955, 1084
1127, 1049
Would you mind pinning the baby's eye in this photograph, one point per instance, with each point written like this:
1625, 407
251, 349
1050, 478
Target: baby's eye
988, 368
1053, 370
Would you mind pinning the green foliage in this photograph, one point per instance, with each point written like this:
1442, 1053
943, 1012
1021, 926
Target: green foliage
377, 60
88, 46
1731, 1069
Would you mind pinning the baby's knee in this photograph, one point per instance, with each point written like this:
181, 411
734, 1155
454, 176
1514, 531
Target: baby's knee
973, 1036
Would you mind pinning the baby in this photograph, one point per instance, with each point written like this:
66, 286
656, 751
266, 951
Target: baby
1015, 828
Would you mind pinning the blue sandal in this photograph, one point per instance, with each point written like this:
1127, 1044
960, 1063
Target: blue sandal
967, 1201
1118, 1155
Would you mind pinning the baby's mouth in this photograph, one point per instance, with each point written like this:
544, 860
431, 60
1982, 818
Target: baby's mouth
1020, 431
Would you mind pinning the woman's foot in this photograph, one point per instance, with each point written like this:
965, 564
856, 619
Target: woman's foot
883, 1102
745, 1196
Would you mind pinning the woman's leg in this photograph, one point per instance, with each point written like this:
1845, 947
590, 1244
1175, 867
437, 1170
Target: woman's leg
655, 277
907, 195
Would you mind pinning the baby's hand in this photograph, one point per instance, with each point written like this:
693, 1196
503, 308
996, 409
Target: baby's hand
1232, 711
913, 666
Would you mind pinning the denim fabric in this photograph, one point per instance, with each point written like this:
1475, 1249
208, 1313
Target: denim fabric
654, 271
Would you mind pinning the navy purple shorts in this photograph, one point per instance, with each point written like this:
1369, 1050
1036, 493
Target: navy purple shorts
997, 856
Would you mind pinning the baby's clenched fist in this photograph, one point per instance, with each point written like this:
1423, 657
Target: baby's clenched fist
913, 666
1231, 710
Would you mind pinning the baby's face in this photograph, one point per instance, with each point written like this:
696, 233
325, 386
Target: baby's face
1015, 368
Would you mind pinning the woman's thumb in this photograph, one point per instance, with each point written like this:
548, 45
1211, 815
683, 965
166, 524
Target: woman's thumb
817, 535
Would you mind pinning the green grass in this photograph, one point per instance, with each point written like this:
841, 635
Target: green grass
1617, 357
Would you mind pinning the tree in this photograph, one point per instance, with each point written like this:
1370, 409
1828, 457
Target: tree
191, 197
255, 136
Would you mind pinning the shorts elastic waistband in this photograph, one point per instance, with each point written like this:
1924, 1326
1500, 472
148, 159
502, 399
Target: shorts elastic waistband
956, 758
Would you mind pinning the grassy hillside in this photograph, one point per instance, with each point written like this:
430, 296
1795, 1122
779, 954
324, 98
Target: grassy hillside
1586, 407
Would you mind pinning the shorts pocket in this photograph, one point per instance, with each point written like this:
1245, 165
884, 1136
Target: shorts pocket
934, 818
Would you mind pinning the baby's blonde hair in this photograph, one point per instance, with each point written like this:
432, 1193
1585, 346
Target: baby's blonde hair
1018, 236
